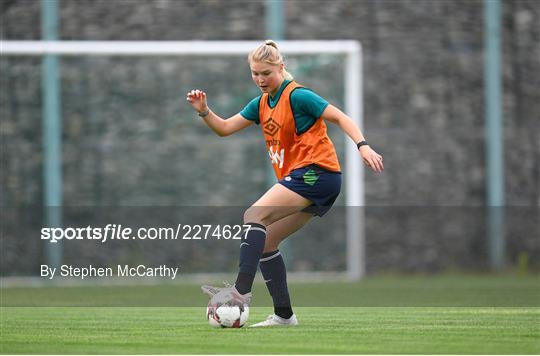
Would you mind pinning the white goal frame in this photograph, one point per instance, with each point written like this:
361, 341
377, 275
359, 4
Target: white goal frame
353, 100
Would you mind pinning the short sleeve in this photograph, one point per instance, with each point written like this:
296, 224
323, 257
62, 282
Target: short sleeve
308, 102
307, 107
251, 110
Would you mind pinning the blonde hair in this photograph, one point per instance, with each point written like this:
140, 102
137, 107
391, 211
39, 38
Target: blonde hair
269, 53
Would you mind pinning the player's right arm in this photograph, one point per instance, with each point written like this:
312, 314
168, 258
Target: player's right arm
197, 99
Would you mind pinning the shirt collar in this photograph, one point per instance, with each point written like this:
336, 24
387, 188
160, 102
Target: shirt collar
278, 94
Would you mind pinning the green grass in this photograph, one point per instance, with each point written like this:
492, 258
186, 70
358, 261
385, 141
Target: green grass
451, 314
381, 291
151, 330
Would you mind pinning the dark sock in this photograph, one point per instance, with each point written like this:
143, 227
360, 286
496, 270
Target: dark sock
283, 312
243, 280
251, 249
275, 276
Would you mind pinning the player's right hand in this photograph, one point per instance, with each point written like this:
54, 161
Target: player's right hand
197, 99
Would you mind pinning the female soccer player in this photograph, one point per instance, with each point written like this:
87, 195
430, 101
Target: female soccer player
293, 121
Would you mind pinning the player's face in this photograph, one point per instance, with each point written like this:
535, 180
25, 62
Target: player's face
267, 77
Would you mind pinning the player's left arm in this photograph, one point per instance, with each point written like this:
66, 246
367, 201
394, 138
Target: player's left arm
369, 156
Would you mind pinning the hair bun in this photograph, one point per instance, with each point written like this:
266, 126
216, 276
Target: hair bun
271, 43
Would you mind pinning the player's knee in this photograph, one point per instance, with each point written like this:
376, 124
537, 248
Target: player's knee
250, 216
257, 215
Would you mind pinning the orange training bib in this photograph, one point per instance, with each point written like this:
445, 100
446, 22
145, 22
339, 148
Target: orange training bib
287, 149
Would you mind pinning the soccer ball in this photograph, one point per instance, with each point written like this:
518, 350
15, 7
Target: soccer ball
226, 316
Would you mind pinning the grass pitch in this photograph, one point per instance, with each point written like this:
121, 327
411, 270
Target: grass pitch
177, 330
404, 315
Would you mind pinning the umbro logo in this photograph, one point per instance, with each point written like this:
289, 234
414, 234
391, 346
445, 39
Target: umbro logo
271, 127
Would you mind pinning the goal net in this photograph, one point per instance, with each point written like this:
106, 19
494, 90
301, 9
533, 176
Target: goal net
132, 148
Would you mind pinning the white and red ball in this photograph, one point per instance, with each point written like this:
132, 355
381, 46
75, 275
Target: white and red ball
226, 316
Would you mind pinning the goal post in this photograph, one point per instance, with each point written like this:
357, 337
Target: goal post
352, 50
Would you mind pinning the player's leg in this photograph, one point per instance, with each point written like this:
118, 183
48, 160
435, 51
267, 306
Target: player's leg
273, 268
276, 233
277, 203
283, 228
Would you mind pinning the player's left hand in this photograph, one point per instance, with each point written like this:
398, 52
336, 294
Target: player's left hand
372, 159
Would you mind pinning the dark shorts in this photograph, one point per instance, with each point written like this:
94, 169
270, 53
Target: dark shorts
316, 184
